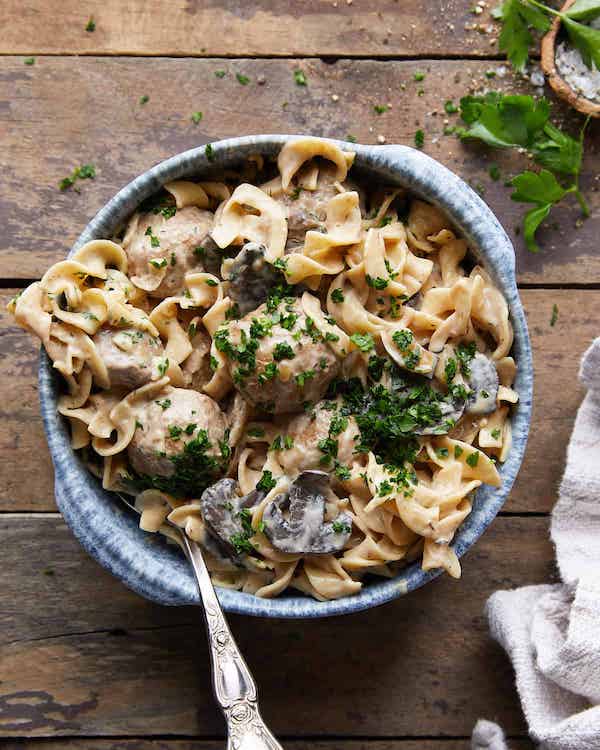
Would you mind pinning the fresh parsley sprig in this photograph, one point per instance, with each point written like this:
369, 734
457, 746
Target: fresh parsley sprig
518, 17
518, 121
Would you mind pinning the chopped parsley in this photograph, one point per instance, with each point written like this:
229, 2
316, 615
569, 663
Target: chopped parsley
364, 341
220, 73
299, 77
458, 451
266, 482
419, 76
283, 351
163, 366
473, 459
377, 282
269, 373
196, 117
342, 472
158, 262
380, 108
241, 78
496, 433
84, 172
554, 316
450, 107
154, 241
403, 339
465, 354
337, 295
419, 139
302, 377
256, 432
90, 25
211, 282
29, 61
144, 99
375, 367
175, 431
209, 152
341, 527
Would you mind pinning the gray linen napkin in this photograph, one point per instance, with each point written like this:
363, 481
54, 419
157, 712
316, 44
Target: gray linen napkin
552, 632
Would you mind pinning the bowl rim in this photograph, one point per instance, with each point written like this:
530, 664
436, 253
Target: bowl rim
87, 508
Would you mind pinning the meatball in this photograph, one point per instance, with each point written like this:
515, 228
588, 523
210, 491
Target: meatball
307, 209
161, 251
128, 354
337, 435
166, 425
277, 358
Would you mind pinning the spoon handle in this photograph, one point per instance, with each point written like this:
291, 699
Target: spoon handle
233, 685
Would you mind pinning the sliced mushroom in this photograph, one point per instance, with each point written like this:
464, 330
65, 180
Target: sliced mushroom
302, 530
251, 277
222, 508
483, 382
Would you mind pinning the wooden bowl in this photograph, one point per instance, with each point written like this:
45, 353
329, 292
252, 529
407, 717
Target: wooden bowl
558, 84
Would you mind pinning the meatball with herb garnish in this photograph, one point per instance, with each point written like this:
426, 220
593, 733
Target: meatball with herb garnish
307, 209
321, 439
129, 355
162, 249
180, 444
278, 359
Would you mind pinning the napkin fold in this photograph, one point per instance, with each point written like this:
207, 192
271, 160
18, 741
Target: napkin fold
552, 632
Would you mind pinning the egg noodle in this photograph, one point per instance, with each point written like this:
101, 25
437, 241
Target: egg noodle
309, 377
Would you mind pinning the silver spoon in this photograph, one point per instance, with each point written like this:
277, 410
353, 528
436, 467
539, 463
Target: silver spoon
233, 685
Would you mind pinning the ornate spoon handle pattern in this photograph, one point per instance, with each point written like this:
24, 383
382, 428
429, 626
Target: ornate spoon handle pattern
233, 685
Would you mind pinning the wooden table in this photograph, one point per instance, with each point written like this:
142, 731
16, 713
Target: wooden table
85, 662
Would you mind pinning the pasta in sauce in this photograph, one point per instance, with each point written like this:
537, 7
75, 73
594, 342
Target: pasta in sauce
311, 378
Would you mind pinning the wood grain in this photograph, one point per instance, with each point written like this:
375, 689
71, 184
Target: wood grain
230, 28
81, 655
26, 477
63, 112
337, 744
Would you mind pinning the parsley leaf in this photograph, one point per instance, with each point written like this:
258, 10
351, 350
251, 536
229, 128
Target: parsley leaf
586, 39
300, 77
544, 191
515, 38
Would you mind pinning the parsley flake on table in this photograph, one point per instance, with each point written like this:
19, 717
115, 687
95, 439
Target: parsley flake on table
85, 172
554, 317
380, 108
241, 78
450, 107
300, 77
29, 61
144, 99
90, 25
220, 73
419, 76
419, 139
196, 117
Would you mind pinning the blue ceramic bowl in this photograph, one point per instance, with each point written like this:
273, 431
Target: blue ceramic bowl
144, 562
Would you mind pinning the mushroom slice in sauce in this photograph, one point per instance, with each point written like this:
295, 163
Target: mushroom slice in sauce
222, 508
251, 277
304, 531
483, 382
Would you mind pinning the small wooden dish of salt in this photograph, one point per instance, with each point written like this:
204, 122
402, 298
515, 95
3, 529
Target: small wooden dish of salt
574, 82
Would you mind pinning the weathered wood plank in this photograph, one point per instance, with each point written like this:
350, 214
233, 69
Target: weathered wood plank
141, 744
45, 132
230, 28
25, 469
82, 655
